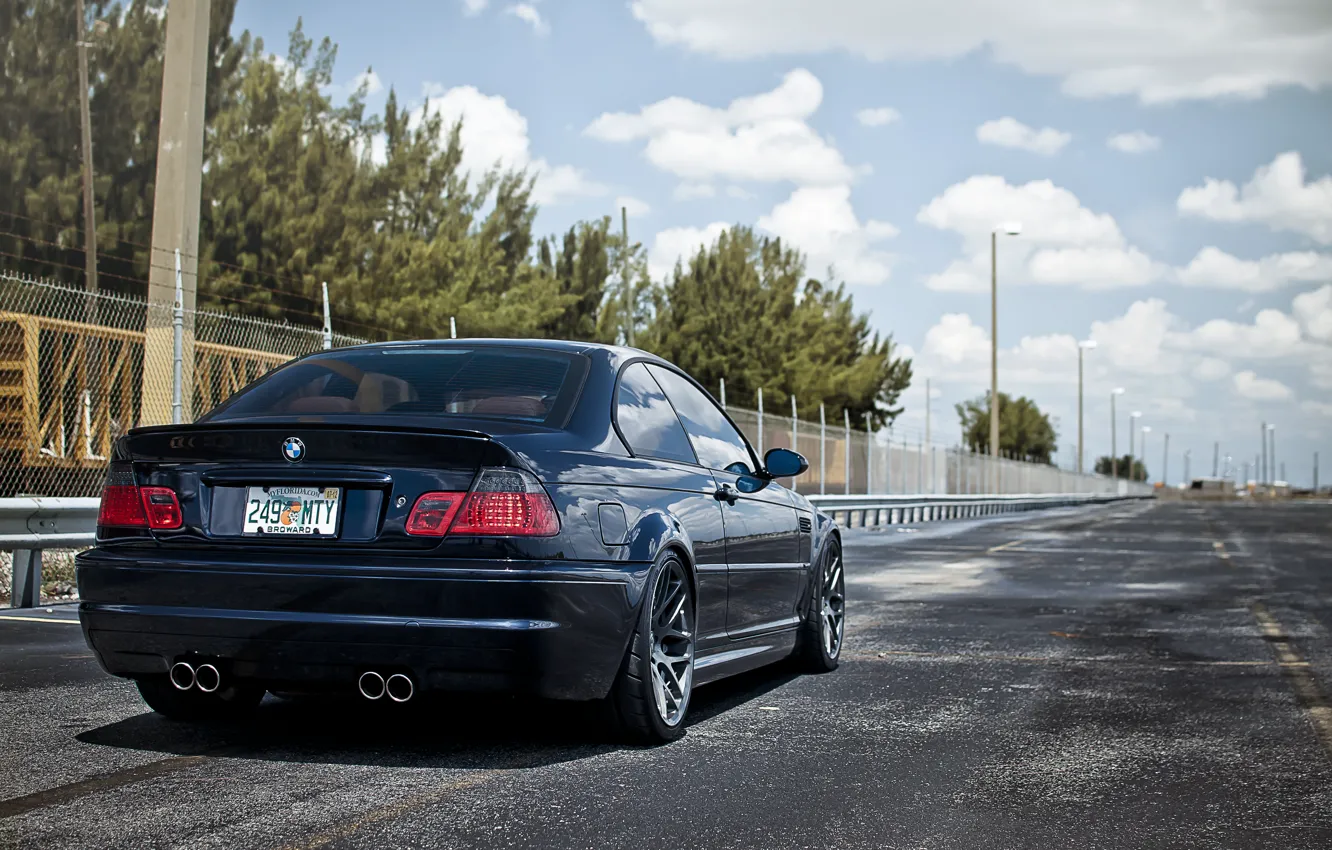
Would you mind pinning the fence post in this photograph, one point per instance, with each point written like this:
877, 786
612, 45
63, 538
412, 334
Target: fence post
178, 344
846, 427
760, 423
453, 328
869, 456
920, 465
795, 434
823, 451
328, 321
723, 393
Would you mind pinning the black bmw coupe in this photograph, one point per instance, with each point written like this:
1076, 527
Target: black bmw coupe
568, 520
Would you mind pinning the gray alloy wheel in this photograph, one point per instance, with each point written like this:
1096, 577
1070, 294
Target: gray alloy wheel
650, 698
671, 663
822, 633
832, 607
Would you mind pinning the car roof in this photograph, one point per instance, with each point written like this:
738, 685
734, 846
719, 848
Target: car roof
616, 353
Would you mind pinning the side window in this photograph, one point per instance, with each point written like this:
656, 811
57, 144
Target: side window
646, 419
717, 443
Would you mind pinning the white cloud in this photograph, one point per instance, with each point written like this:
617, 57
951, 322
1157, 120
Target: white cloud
1317, 408
820, 221
878, 116
680, 244
527, 13
1313, 310
369, 79
474, 7
1273, 334
762, 138
1250, 386
1062, 242
1134, 142
494, 133
1277, 195
740, 193
1214, 268
1211, 369
693, 191
1009, 132
633, 206
1159, 52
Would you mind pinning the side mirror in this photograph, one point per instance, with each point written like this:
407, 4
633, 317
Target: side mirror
784, 463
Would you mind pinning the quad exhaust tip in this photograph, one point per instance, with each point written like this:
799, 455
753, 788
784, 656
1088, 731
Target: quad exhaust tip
371, 685
207, 678
183, 676
399, 687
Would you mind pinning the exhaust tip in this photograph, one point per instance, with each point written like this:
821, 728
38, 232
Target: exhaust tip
207, 678
400, 687
371, 685
182, 676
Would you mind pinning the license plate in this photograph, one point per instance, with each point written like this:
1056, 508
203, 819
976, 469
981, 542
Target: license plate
309, 511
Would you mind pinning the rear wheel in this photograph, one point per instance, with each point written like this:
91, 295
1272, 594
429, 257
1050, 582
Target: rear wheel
825, 626
228, 703
650, 697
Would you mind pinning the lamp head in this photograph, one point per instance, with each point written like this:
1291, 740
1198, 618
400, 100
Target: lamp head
1135, 414
1087, 344
1117, 391
1146, 429
1010, 228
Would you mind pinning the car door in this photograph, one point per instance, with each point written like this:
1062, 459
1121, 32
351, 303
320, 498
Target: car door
675, 484
764, 572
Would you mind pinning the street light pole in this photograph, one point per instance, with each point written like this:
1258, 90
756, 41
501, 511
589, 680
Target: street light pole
1011, 230
1165, 462
1271, 455
1133, 421
1085, 345
1114, 450
1146, 429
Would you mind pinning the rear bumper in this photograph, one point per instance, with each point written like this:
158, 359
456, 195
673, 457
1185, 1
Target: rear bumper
553, 629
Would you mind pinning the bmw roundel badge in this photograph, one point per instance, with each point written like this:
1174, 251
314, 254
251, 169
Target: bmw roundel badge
293, 449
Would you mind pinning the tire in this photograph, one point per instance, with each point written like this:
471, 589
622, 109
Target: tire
650, 698
231, 703
815, 652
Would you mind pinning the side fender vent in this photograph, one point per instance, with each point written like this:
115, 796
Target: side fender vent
806, 525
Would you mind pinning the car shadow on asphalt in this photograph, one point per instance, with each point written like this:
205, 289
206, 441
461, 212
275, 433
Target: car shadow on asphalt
463, 731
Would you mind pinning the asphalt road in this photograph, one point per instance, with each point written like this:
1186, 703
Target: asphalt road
1140, 675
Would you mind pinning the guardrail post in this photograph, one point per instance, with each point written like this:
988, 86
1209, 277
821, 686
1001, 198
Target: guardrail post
26, 589
328, 321
846, 459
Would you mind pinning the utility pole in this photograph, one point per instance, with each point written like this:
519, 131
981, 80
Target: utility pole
176, 198
1187, 480
628, 285
1216, 458
85, 118
1315, 487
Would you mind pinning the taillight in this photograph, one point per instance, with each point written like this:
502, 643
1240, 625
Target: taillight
509, 503
162, 507
432, 513
504, 503
127, 506
121, 507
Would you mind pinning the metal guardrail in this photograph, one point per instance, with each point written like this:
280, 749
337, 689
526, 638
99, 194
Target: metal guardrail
911, 509
30, 524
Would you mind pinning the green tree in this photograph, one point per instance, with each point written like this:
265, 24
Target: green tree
1104, 466
1024, 431
742, 310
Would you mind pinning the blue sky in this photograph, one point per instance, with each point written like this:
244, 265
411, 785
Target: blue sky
1211, 302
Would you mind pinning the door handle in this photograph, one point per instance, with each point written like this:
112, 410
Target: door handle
726, 493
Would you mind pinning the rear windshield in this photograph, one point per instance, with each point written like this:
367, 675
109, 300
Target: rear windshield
530, 385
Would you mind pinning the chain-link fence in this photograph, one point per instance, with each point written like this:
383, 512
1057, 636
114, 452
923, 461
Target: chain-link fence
78, 369
843, 460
